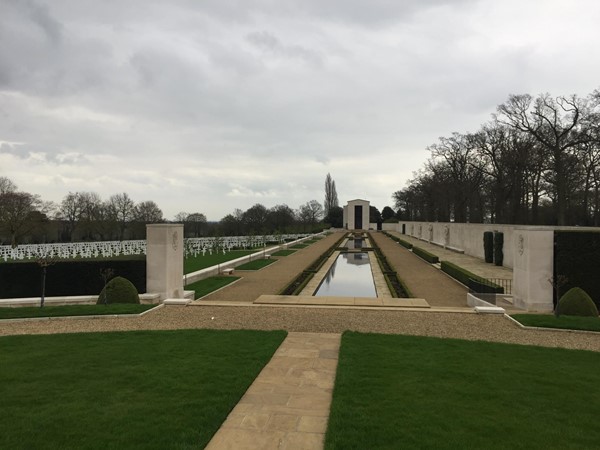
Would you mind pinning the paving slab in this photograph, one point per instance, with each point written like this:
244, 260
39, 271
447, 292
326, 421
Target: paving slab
287, 405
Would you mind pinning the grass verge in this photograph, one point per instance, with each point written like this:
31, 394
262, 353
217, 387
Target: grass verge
299, 246
199, 262
257, 264
284, 253
142, 389
210, 284
563, 322
419, 392
72, 310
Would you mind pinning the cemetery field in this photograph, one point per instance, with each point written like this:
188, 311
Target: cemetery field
72, 310
563, 322
210, 284
142, 389
420, 392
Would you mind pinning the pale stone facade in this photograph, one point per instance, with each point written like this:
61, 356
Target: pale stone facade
356, 215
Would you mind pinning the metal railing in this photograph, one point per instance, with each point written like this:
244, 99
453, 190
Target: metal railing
491, 286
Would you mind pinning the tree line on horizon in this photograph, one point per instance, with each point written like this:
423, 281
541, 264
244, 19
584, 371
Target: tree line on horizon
536, 162
84, 216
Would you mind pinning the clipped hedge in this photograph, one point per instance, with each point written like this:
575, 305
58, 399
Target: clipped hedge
576, 302
69, 277
118, 290
498, 246
429, 257
402, 242
470, 279
488, 246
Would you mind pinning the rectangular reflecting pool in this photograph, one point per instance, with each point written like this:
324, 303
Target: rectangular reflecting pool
349, 276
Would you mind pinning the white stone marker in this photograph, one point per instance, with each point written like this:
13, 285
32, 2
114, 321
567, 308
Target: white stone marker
533, 267
164, 260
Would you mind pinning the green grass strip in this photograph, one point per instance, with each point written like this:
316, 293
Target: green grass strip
299, 246
410, 392
563, 322
284, 253
143, 389
199, 262
72, 310
257, 264
210, 284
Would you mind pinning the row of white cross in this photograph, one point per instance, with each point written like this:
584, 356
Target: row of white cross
191, 247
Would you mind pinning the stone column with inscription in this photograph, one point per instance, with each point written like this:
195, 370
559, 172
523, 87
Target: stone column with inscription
164, 260
533, 268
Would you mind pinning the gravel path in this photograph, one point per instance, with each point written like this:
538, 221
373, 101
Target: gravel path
493, 328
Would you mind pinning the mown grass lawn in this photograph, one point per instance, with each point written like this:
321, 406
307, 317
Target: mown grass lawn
199, 262
298, 246
72, 310
208, 285
257, 264
415, 392
144, 389
563, 322
284, 253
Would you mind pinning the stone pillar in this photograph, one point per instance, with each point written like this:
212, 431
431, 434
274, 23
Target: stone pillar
533, 267
164, 260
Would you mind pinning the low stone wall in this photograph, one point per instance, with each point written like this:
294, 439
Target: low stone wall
145, 299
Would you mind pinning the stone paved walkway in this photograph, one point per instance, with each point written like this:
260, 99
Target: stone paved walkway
287, 406
423, 280
476, 265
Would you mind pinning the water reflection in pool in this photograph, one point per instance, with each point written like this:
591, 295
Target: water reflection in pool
349, 276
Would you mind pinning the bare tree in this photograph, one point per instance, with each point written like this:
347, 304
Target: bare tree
558, 124
196, 222
331, 197
6, 185
147, 212
311, 212
20, 213
120, 210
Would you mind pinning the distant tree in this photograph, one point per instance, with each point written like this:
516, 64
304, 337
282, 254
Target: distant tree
181, 217
374, 215
335, 217
310, 213
331, 197
147, 212
120, 210
20, 213
387, 213
6, 185
70, 211
255, 218
196, 222
280, 218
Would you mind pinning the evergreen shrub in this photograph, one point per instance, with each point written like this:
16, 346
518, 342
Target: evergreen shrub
498, 245
429, 257
118, 290
576, 302
488, 246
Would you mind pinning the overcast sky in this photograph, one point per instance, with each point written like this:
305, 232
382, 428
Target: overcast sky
206, 106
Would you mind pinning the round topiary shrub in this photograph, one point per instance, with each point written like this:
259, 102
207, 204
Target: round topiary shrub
118, 290
576, 302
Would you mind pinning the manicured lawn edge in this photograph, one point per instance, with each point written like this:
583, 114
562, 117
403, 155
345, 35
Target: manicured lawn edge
284, 253
547, 322
209, 285
70, 312
257, 264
